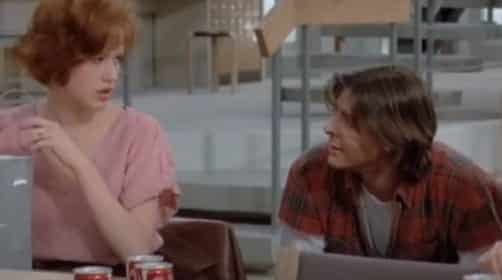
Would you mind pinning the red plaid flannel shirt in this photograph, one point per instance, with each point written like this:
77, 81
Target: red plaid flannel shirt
446, 212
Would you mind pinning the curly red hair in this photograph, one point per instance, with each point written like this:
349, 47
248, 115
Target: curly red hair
64, 33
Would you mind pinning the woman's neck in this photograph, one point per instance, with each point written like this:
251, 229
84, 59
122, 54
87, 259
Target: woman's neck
66, 112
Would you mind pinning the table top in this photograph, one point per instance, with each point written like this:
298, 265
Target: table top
36, 275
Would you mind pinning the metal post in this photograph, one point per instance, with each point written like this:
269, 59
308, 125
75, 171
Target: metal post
418, 37
234, 75
393, 43
126, 98
212, 76
276, 135
431, 4
209, 157
305, 80
154, 51
189, 69
491, 4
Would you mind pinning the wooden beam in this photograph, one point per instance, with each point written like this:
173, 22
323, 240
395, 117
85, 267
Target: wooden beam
276, 26
288, 14
317, 12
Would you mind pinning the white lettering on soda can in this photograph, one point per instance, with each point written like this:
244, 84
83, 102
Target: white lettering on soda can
155, 271
132, 262
92, 273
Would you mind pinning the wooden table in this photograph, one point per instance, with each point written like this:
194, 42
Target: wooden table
36, 275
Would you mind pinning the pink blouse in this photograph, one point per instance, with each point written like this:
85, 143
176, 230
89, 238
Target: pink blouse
136, 163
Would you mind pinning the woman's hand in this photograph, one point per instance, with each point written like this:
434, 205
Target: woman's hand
40, 134
492, 260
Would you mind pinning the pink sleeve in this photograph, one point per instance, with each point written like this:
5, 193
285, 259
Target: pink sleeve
10, 140
150, 171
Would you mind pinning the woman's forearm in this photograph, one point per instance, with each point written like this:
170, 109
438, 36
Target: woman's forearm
126, 234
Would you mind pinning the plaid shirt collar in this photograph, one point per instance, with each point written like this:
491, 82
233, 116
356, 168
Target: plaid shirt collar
405, 191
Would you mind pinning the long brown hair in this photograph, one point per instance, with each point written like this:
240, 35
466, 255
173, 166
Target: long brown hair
391, 103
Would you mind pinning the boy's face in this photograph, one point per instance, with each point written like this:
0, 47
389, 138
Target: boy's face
350, 146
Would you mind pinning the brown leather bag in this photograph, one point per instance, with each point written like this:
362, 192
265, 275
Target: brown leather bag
202, 250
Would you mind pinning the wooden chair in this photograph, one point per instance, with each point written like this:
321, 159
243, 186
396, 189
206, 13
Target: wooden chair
202, 250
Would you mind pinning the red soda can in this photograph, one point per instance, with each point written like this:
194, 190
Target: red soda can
155, 271
131, 273
92, 273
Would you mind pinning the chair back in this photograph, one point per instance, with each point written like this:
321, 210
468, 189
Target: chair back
202, 250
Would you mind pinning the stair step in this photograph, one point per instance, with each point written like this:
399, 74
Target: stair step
293, 93
447, 31
466, 114
490, 52
247, 191
471, 3
323, 62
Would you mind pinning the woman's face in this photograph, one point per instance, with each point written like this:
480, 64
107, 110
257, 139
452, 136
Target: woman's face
91, 83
